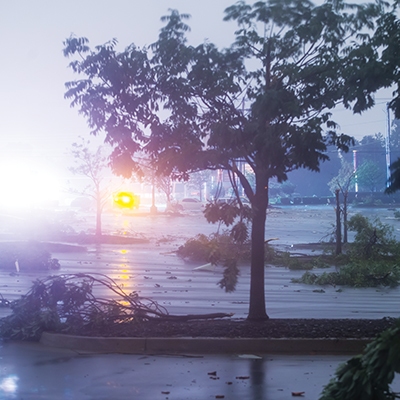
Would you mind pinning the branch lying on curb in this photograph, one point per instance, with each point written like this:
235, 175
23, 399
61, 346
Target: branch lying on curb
190, 317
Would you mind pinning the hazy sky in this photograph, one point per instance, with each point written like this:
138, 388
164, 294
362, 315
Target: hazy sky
36, 121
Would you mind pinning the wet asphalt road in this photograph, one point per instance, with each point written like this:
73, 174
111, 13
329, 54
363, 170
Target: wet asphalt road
153, 270
30, 371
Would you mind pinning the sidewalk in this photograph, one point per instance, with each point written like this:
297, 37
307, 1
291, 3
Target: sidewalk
32, 371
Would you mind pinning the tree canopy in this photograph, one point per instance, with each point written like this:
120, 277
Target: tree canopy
265, 100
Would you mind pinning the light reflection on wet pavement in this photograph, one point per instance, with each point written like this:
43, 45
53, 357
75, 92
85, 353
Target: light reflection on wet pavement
182, 289
31, 371
155, 272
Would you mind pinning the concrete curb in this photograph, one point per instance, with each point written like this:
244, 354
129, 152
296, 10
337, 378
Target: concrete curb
188, 345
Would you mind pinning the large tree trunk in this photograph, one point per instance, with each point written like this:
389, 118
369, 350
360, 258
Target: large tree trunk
257, 309
345, 195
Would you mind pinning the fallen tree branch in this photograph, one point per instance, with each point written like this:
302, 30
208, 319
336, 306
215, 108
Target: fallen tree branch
68, 303
190, 317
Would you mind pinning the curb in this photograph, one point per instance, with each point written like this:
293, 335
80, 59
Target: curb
185, 345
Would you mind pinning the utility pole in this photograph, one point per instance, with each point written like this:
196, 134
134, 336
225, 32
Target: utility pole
387, 146
355, 170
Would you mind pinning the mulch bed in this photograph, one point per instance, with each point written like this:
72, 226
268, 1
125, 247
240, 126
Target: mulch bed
234, 328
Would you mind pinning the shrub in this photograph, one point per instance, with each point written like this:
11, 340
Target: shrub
215, 248
373, 239
198, 248
226, 249
371, 260
357, 274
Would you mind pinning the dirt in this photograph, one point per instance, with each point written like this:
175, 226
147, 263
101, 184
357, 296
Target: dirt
231, 328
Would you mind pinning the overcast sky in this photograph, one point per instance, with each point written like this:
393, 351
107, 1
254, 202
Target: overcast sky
35, 117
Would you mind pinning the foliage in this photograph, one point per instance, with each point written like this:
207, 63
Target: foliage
370, 177
368, 376
394, 180
31, 256
197, 181
304, 262
356, 274
264, 101
164, 183
226, 249
278, 190
372, 259
344, 179
199, 249
373, 239
226, 212
68, 304
237, 214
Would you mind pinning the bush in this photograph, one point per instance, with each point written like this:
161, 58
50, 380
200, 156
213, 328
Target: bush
371, 260
215, 248
357, 274
373, 239
226, 249
197, 249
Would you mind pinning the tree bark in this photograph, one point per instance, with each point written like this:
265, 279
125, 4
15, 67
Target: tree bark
345, 195
338, 224
257, 309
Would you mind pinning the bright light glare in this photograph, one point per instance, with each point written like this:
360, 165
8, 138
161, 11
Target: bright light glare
24, 185
124, 199
9, 384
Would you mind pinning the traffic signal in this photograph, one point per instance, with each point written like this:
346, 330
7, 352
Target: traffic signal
125, 199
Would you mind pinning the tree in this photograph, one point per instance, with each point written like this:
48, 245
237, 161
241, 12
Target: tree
264, 101
342, 182
371, 149
394, 180
394, 139
370, 177
197, 181
164, 183
92, 164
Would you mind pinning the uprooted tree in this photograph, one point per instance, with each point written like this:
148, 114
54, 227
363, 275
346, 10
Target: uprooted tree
264, 101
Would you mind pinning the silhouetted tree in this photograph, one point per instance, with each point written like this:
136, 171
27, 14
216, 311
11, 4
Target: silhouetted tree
93, 165
264, 101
